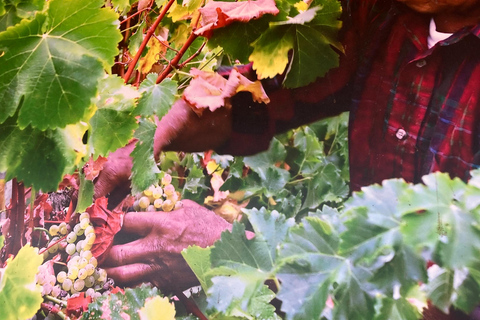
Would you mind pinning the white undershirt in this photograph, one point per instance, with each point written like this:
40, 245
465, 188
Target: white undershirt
434, 36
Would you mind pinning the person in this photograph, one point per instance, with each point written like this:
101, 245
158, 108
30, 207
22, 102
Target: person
410, 77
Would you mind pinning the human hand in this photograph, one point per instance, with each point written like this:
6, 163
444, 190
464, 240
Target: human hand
156, 256
113, 180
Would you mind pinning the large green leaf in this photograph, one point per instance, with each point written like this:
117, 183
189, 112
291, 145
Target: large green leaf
50, 65
199, 261
399, 309
310, 261
13, 11
311, 35
246, 263
38, 158
156, 98
20, 297
144, 170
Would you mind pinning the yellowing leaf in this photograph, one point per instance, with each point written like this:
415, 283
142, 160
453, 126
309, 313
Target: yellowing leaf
209, 90
155, 52
20, 297
72, 136
157, 308
212, 166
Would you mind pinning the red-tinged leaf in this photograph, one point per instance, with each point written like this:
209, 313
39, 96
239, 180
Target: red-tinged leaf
93, 167
106, 223
218, 14
209, 90
69, 180
78, 305
117, 290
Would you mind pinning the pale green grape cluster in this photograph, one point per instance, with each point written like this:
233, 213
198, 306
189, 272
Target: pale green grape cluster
160, 197
80, 272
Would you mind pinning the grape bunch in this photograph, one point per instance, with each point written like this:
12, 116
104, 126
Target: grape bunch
160, 197
78, 271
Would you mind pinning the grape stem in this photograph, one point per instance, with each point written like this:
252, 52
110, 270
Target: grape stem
51, 245
54, 310
58, 301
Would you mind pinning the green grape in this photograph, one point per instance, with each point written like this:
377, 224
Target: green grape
158, 203
102, 275
56, 291
82, 273
82, 263
93, 261
80, 245
167, 205
71, 249
144, 202
72, 272
169, 190
67, 284
87, 246
78, 285
87, 254
46, 289
53, 230
63, 228
136, 205
178, 205
51, 279
148, 192
89, 230
84, 215
53, 249
72, 237
151, 208
90, 238
157, 192
84, 223
40, 277
78, 230
173, 197
90, 292
61, 276
167, 179
90, 269
89, 281
74, 261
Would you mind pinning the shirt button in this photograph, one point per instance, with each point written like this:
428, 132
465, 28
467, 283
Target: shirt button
421, 63
401, 134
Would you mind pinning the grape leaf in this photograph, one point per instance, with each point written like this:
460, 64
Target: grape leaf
20, 155
440, 289
50, 65
399, 309
198, 260
106, 223
20, 296
272, 227
250, 264
156, 98
111, 130
157, 308
144, 170
184, 10
119, 306
435, 218
12, 12
310, 34
217, 14
308, 263
85, 194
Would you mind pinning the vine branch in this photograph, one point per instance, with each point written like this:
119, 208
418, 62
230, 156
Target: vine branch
149, 34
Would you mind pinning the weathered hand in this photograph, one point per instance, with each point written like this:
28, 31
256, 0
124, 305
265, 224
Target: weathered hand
113, 181
156, 257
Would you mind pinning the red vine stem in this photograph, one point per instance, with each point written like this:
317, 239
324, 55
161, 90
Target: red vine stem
174, 62
190, 306
184, 63
149, 34
52, 244
135, 14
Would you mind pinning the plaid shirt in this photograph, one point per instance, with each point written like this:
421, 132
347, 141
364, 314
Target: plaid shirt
413, 110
